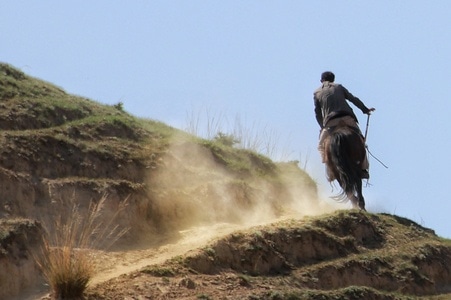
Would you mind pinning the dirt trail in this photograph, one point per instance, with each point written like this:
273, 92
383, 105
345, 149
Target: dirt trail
114, 264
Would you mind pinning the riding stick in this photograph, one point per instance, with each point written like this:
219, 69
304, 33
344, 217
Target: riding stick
367, 125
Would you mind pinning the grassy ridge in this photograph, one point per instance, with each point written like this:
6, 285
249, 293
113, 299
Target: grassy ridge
55, 147
32, 108
343, 255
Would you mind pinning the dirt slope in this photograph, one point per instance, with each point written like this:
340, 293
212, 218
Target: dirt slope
191, 207
58, 151
16, 237
56, 148
344, 255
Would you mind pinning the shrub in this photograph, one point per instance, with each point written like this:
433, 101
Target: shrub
67, 271
65, 259
226, 139
119, 106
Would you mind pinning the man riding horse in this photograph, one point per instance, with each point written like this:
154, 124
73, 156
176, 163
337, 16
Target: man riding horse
332, 111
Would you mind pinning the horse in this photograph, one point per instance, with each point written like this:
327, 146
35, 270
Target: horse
344, 152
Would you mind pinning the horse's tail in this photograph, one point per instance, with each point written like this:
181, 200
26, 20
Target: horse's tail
341, 149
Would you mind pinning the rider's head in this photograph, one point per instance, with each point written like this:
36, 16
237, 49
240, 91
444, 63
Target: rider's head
327, 76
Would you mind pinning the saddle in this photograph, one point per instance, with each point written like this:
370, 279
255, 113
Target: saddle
344, 121
331, 129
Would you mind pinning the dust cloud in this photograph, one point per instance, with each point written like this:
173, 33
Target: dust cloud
193, 200
193, 189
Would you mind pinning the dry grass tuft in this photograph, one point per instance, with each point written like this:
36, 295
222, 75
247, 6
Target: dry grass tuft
65, 259
67, 271
252, 136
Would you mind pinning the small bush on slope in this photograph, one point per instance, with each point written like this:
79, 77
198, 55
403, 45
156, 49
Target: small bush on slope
64, 258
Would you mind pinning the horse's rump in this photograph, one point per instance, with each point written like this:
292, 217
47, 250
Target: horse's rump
344, 152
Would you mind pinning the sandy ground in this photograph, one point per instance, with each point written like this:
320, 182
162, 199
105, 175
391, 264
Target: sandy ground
115, 263
112, 264
124, 260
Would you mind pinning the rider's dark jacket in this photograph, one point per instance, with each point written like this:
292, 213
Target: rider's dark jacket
330, 102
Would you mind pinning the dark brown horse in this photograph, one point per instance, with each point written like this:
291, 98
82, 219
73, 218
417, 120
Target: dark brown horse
345, 151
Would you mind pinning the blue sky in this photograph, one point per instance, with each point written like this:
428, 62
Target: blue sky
261, 61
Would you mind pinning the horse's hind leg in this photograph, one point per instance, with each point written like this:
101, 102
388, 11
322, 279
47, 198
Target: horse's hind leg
361, 200
354, 201
357, 201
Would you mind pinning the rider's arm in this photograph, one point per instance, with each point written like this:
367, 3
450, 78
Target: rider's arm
318, 112
356, 101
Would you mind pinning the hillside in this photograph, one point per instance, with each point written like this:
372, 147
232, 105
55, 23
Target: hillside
344, 255
56, 146
193, 201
